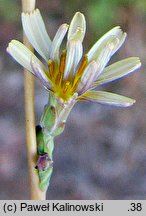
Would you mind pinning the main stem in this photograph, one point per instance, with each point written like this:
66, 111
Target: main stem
36, 193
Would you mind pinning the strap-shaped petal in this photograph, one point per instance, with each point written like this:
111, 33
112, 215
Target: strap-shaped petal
36, 33
22, 55
77, 27
118, 70
117, 32
87, 78
74, 55
55, 46
105, 51
40, 74
107, 98
121, 36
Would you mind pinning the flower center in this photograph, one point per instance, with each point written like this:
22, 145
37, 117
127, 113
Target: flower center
64, 88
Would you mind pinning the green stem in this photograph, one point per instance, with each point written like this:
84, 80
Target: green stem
51, 125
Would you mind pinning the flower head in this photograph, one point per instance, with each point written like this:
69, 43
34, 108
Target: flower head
70, 71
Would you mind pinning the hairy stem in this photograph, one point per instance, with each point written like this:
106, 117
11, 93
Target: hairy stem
36, 193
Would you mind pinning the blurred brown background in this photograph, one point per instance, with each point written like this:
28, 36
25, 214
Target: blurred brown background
102, 152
